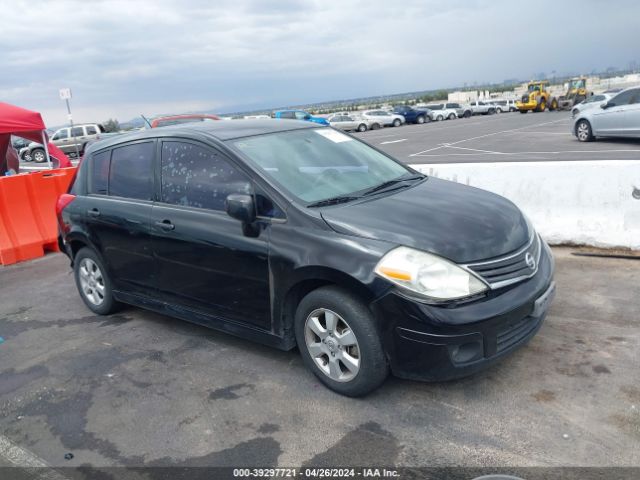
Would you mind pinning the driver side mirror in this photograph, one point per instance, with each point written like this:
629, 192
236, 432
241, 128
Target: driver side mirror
604, 105
241, 207
307, 117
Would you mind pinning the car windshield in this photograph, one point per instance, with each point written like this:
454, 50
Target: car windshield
318, 164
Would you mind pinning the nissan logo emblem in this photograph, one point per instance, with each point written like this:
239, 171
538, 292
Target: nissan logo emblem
528, 259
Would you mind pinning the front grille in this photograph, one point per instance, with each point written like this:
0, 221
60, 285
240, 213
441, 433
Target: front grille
511, 268
515, 332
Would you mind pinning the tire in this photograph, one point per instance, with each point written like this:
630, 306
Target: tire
439, 118
38, 155
93, 283
543, 106
420, 120
583, 131
524, 111
396, 122
452, 116
467, 114
27, 157
362, 127
491, 111
375, 126
498, 110
355, 338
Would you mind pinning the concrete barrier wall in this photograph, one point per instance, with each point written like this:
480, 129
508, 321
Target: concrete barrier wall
585, 202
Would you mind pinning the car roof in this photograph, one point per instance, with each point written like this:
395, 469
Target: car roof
223, 130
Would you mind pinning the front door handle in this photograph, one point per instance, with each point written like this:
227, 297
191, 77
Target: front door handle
94, 212
166, 225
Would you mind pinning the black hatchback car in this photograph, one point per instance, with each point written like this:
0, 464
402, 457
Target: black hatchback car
292, 234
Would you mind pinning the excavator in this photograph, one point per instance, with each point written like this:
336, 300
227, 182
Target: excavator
576, 93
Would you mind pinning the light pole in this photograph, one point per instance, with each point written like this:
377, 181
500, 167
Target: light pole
65, 94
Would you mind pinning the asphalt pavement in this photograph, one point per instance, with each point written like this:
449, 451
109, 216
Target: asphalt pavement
138, 388
505, 137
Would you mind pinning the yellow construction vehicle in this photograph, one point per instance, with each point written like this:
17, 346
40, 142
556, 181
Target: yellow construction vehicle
537, 98
576, 93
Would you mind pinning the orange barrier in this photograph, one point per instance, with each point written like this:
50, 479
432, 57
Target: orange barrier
28, 224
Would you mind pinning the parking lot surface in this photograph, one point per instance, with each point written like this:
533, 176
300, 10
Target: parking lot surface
138, 388
506, 137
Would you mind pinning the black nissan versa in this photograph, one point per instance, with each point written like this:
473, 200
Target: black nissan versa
288, 233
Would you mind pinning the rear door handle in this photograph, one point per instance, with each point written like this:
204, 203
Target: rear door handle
166, 225
94, 212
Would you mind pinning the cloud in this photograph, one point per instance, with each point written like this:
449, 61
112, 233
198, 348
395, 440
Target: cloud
124, 57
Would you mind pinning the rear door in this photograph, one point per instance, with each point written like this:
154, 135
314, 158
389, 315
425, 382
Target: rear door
78, 138
631, 125
206, 264
117, 212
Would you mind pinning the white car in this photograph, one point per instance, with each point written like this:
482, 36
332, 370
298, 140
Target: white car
441, 111
590, 102
350, 122
383, 118
504, 105
617, 117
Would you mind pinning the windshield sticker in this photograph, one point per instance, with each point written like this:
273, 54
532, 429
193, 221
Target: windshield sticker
335, 137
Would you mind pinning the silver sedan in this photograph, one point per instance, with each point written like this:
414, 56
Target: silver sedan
350, 122
617, 117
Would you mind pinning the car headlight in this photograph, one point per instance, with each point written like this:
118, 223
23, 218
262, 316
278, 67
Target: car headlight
428, 275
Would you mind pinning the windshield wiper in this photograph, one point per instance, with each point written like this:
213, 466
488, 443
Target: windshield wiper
389, 183
334, 201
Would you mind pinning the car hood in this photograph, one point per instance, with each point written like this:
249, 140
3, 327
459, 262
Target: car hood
458, 222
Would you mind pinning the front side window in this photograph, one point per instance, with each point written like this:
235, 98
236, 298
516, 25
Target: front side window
197, 176
61, 134
318, 164
131, 172
288, 115
302, 115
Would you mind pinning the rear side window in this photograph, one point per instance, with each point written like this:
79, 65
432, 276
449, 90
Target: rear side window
91, 130
288, 115
197, 176
131, 172
99, 181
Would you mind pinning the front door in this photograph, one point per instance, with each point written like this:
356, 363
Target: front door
611, 120
205, 262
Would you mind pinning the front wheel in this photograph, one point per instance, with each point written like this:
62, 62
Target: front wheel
583, 131
38, 155
375, 126
420, 119
339, 341
498, 110
362, 127
397, 122
27, 157
452, 116
439, 118
467, 114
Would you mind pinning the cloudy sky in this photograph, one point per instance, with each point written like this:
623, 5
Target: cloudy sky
122, 58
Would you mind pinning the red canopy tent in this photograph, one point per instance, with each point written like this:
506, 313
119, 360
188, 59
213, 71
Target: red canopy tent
27, 124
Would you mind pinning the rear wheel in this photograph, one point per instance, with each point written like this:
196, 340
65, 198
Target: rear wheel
397, 122
339, 341
362, 127
439, 118
524, 111
375, 126
452, 116
467, 114
26, 156
420, 119
93, 282
498, 110
583, 131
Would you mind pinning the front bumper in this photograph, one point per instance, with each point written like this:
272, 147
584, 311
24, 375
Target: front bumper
434, 343
527, 106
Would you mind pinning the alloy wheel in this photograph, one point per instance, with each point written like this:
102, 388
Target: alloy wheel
332, 345
583, 131
92, 281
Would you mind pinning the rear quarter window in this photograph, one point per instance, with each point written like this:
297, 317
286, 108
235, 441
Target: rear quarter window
99, 173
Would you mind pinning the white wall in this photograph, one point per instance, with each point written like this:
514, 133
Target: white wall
582, 202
